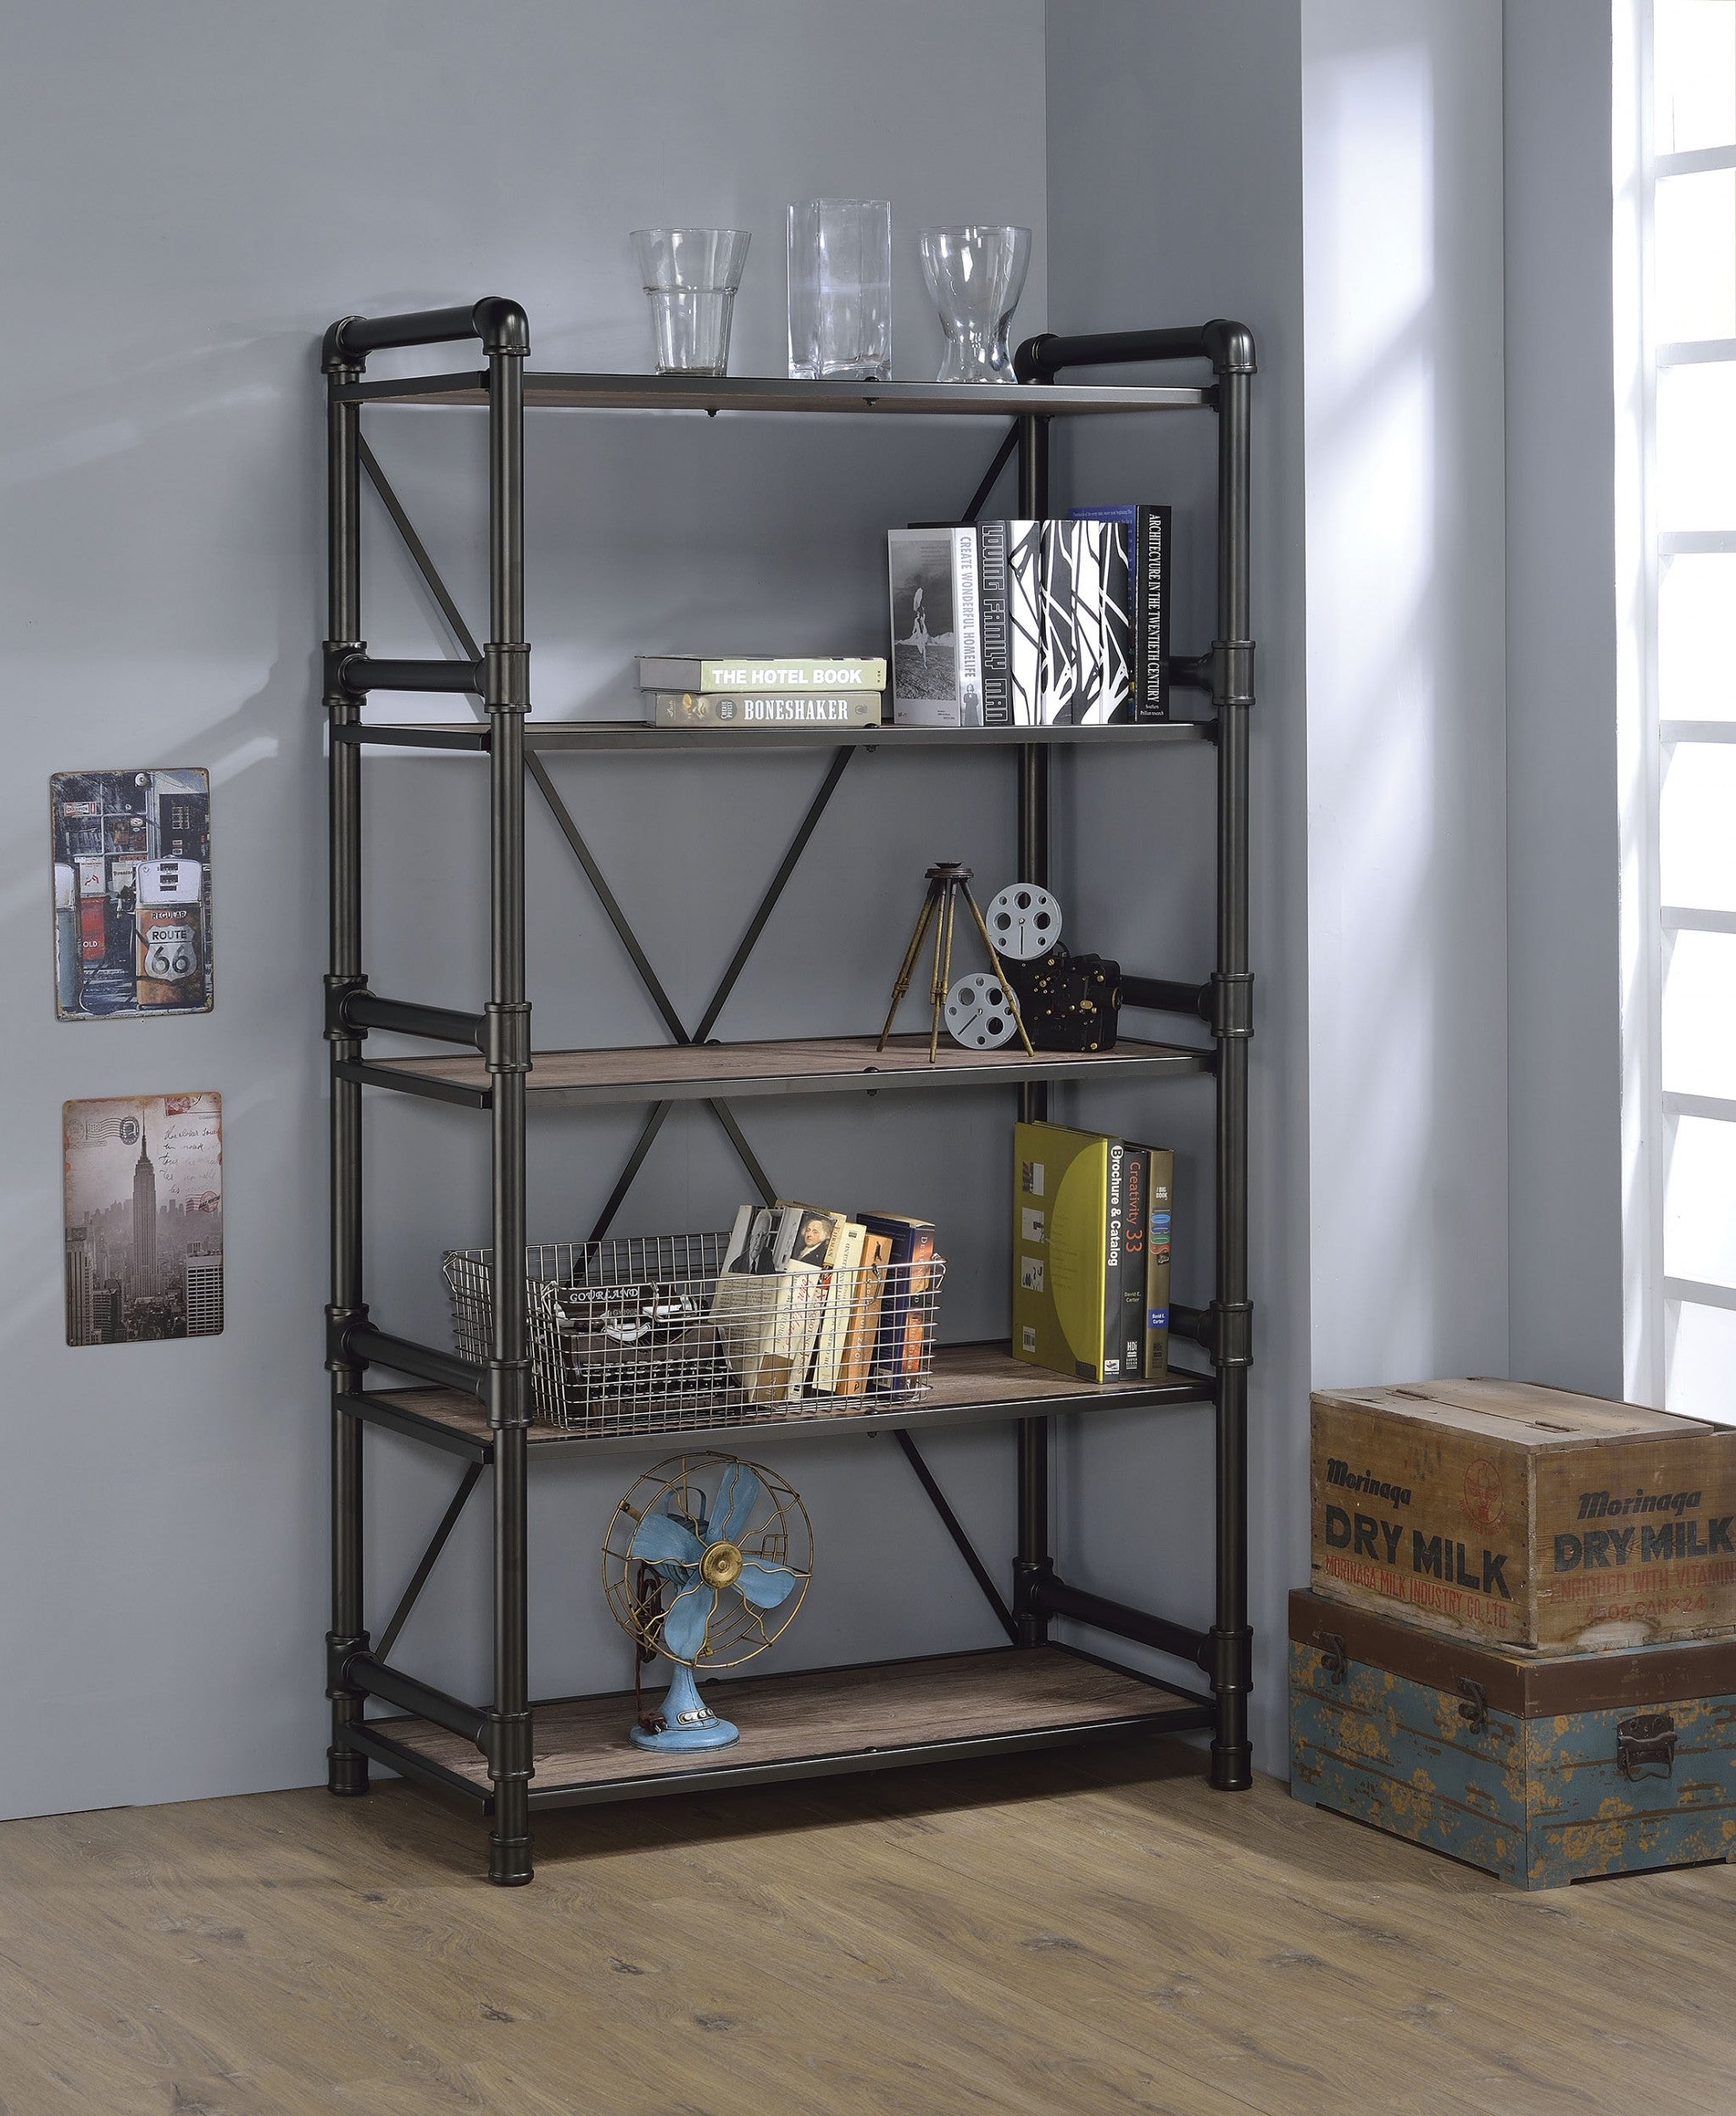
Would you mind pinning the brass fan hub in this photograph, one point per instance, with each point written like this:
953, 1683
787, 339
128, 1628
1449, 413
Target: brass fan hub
722, 1565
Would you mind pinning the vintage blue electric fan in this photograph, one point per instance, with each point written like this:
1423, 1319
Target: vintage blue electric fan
705, 1562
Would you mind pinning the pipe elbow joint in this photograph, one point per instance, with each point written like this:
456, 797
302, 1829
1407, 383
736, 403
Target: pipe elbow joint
1230, 346
502, 325
334, 359
1029, 361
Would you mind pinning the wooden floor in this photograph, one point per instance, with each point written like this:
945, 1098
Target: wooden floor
1088, 1930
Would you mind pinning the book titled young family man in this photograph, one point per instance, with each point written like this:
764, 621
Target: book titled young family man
759, 672
764, 709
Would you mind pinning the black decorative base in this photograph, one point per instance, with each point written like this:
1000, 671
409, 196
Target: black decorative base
345, 1773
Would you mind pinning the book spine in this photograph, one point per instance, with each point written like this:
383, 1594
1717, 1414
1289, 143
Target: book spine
1136, 1181
997, 670
903, 1325
1059, 543
765, 709
968, 617
1125, 625
1100, 628
1115, 1211
1151, 699
1025, 622
792, 675
1160, 1223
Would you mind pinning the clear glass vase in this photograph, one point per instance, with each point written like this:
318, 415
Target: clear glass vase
976, 276
840, 290
691, 276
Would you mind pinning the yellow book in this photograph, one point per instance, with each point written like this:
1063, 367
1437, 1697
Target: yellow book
1059, 1207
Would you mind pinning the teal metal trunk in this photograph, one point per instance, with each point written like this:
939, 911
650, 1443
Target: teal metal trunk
1543, 1770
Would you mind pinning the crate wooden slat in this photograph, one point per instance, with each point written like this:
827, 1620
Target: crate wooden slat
972, 1382
856, 1718
678, 1072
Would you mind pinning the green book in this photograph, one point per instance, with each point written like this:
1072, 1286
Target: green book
1061, 1209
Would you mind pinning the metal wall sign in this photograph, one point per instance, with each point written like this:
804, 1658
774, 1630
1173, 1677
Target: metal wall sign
132, 892
143, 1217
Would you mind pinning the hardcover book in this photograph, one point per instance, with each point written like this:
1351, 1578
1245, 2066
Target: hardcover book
843, 1270
937, 637
856, 1370
904, 1310
1114, 1215
1025, 622
767, 1323
1147, 531
832, 1241
1087, 641
760, 672
764, 709
1061, 1212
1136, 1176
997, 665
1161, 1190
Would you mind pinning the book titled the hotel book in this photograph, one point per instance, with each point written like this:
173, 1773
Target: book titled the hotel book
760, 672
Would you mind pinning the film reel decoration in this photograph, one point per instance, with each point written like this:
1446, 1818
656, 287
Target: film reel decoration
947, 881
979, 1014
1024, 922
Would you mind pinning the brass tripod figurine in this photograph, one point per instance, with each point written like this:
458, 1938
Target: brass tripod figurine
947, 882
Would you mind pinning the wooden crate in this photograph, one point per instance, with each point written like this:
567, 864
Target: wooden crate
1543, 1770
1521, 1516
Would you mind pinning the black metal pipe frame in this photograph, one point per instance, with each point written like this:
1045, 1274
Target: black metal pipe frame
1032, 1559
507, 696
347, 1767
1227, 1335
499, 674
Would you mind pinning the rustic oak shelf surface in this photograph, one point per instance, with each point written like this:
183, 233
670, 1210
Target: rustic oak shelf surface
972, 1382
826, 1065
877, 1718
758, 392
635, 734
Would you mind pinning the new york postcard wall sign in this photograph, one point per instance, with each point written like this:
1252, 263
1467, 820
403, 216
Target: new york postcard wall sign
144, 1217
132, 892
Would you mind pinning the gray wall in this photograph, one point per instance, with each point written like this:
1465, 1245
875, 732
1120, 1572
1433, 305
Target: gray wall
1195, 211
225, 181
1407, 894
1564, 985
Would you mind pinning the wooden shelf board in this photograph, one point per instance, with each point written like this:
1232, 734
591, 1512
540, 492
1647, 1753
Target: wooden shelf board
682, 1072
765, 393
635, 735
818, 1722
973, 1383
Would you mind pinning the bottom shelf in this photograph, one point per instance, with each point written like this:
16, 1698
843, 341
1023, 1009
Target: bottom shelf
817, 1723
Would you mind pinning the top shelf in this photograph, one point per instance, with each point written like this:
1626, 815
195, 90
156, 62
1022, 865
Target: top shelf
763, 393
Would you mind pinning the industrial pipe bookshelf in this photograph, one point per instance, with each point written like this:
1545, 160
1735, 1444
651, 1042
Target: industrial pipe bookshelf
510, 1756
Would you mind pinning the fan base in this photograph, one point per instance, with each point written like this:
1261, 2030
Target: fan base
711, 1734
688, 1722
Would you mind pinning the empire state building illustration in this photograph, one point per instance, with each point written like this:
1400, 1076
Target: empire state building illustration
144, 1222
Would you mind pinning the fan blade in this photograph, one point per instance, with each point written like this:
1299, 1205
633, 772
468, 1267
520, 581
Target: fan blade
738, 1493
658, 1541
684, 1627
764, 1585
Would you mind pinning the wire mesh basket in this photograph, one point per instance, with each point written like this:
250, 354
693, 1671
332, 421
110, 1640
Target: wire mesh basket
650, 1332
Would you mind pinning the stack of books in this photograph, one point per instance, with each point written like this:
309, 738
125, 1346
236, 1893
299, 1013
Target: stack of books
812, 1302
760, 691
1092, 1238
1032, 624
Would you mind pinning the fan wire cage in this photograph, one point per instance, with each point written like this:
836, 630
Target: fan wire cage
648, 1334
